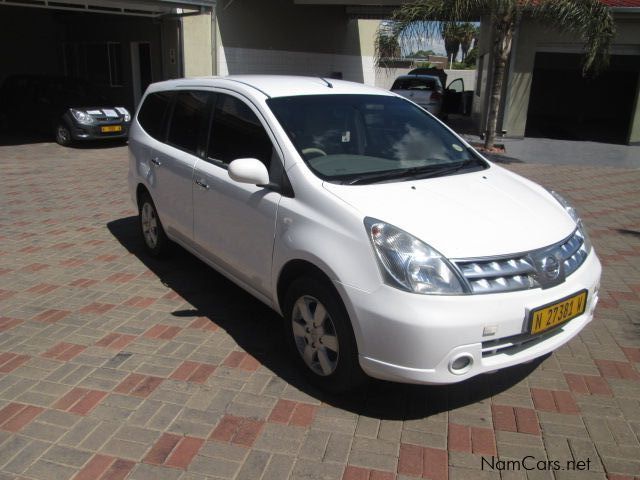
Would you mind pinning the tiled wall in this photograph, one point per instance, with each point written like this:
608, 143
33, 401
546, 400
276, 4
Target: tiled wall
234, 61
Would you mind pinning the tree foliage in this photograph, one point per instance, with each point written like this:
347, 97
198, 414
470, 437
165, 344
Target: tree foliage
421, 54
458, 36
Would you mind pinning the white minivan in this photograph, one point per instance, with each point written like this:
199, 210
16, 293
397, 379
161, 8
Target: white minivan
388, 244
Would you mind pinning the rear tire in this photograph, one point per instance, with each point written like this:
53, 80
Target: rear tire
320, 336
63, 135
154, 237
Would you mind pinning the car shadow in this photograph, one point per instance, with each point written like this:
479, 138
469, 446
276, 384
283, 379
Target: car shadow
258, 330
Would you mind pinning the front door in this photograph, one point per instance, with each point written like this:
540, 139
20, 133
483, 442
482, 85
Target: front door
234, 223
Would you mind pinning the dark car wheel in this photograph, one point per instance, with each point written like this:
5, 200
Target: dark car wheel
63, 135
320, 336
155, 239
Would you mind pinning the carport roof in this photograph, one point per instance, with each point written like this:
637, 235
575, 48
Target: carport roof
152, 8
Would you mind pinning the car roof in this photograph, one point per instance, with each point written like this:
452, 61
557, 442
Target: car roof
417, 75
273, 85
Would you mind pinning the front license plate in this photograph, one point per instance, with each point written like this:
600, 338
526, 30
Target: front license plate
553, 314
111, 128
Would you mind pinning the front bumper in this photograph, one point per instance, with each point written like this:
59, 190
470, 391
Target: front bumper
94, 132
414, 338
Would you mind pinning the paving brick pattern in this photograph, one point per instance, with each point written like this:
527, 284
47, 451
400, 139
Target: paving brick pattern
114, 365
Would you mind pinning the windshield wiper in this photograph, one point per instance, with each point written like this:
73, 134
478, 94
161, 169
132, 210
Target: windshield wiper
426, 171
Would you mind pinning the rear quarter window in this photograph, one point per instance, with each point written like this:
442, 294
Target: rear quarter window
153, 113
414, 84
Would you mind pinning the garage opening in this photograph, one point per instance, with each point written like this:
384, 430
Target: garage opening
565, 105
95, 56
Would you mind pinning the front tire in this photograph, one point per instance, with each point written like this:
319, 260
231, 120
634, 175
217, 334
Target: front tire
154, 237
320, 335
63, 135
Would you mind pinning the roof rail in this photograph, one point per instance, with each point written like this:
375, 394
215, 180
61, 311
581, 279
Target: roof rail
249, 85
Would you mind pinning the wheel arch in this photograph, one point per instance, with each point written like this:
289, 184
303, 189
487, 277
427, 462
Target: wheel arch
141, 190
294, 269
298, 267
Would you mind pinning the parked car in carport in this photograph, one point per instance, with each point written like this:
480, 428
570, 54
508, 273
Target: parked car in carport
71, 109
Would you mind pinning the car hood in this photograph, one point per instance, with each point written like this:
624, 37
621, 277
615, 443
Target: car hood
85, 108
478, 214
99, 112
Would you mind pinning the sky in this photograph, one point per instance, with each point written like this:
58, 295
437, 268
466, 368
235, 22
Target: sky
434, 43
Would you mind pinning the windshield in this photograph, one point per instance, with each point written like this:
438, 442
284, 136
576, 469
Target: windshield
370, 138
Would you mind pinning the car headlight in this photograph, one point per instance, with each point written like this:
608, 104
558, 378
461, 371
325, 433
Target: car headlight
82, 117
573, 213
408, 263
125, 113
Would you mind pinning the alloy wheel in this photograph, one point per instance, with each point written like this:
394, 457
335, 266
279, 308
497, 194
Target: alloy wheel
315, 335
63, 135
149, 225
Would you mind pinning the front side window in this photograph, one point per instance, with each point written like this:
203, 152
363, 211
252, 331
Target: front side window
152, 113
370, 138
189, 114
236, 133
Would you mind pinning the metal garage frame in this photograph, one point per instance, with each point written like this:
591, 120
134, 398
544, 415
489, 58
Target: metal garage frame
141, 8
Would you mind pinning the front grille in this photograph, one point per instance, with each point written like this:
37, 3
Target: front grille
526, 270
516, 343
112, 120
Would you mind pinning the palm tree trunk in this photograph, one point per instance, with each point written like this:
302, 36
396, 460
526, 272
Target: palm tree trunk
503, 37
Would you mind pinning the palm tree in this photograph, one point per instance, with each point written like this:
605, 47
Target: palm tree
451, 35
387, 45
590, 19
467, 32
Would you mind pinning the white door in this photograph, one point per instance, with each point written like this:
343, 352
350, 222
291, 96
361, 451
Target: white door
173, 162
234, 223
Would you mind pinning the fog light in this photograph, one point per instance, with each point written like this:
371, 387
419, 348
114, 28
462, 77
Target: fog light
461, 364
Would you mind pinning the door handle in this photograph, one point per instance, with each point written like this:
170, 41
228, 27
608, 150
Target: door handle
200, 183
156, 162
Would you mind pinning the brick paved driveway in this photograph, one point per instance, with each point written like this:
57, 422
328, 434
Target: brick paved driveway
115, 366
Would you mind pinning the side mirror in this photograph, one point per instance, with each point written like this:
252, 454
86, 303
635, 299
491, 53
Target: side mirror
249, 170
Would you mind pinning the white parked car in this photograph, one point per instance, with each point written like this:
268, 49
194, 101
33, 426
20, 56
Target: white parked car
425, 90
387, 243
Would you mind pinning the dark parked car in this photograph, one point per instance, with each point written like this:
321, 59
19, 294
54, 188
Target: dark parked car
70, 109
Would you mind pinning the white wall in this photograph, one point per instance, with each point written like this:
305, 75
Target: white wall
235, 61
196, 35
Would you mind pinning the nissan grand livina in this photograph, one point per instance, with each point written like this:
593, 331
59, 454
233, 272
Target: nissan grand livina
388, 244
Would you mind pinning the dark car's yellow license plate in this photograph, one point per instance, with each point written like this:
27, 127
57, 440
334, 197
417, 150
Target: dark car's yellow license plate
553, 314
111, 128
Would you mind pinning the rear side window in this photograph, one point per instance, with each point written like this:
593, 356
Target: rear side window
415, 84
236, 133
152, 113
189, 113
